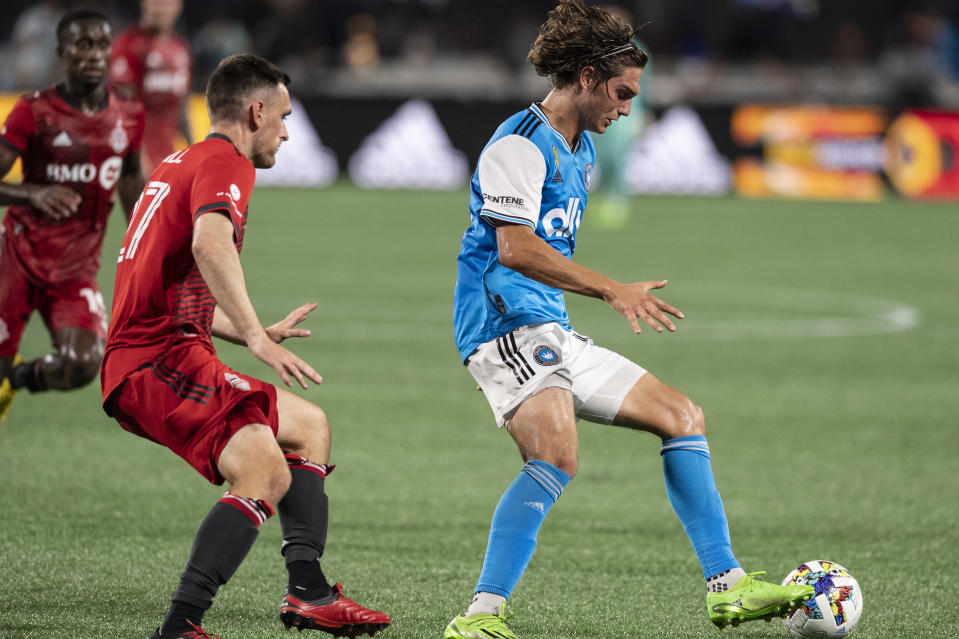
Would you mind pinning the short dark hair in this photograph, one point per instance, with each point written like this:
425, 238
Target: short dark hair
576, 35
235, 79
77, 15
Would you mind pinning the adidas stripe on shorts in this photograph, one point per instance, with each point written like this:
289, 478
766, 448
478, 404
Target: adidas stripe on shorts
516, 366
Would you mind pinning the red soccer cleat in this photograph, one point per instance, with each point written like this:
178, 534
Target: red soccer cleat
196, 633
342, 617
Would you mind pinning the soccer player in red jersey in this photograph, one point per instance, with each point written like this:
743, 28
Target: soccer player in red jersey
79, 144
179, 283
153, 62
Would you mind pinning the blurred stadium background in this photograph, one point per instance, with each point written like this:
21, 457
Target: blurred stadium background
795, 176
747, 96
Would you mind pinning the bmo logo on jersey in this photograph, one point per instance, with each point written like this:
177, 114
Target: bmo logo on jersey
563, 221
107, 174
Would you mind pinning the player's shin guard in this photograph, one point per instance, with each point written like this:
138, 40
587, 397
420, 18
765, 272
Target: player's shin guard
516, 523
221, 543
692, 492
304, 516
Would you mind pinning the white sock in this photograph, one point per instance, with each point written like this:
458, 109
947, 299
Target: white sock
485, 602
724, 580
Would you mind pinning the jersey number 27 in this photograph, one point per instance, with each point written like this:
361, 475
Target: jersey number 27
147, 205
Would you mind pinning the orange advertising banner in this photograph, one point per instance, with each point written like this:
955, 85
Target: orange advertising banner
821, 152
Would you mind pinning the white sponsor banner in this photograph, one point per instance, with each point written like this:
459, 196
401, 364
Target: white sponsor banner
302, 160
410, 150
675, 155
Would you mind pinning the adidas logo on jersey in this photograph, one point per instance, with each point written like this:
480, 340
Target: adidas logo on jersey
557, 177
62, 140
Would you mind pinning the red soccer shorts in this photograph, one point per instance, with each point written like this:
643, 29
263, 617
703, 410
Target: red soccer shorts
76, 303
192, 403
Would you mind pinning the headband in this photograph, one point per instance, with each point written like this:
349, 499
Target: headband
629, 46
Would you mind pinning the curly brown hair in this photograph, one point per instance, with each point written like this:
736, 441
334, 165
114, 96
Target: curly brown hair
576, 35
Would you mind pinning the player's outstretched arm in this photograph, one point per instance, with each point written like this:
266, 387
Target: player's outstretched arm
523, 251
219, 264
54, 200
284, 329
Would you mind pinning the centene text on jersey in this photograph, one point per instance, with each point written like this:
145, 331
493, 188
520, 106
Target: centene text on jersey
505, 200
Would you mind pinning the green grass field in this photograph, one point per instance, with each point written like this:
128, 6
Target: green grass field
821, 340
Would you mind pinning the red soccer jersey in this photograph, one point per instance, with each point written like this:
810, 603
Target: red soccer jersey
157, 70
58, 143
160, 298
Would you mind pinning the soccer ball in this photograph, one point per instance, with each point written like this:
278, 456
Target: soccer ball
835, 609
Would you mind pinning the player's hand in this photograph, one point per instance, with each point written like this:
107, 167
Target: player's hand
284, 328
55, 200
635, 302
284, 362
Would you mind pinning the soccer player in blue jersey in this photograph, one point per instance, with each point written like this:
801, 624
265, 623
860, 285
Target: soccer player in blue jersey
528, 195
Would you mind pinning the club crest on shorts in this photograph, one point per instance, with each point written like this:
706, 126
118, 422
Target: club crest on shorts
236, 381
546, 356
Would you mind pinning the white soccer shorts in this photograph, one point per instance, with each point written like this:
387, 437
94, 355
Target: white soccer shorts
512, 368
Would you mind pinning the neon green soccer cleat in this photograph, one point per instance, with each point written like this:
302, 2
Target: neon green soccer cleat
751, 599
481, 626
7, 393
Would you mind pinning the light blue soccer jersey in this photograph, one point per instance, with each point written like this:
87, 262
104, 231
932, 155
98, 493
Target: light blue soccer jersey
527, 174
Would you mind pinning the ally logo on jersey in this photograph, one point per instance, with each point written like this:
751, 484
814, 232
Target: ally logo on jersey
562, 222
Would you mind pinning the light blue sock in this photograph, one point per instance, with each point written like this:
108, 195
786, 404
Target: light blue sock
516, 522
693, 494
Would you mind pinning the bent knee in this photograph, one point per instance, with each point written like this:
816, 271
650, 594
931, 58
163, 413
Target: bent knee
569, 466
304, 431
314, 428
317, 420
687, 419
276, 483
567, 462
280, 482
80, 369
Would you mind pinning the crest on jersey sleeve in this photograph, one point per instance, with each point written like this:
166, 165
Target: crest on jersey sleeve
118, 138
588, 174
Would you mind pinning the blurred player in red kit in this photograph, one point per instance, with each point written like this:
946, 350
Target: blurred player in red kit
179, 283
152, 62
79, 142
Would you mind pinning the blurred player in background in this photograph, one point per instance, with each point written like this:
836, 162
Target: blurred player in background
179, 283
610, 204
529, 193
152, 62
79, 142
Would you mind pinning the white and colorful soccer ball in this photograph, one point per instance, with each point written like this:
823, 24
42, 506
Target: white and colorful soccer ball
835, 609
